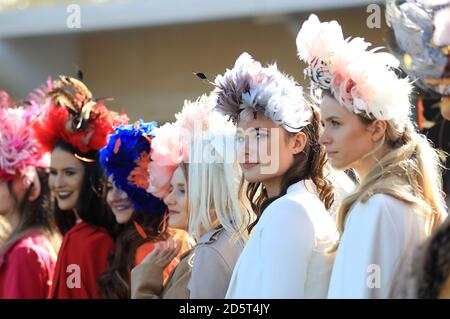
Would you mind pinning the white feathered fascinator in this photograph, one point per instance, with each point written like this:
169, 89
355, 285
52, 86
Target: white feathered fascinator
362, 80
248, 86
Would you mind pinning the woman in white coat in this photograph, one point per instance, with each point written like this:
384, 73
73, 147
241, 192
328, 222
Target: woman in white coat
365, 111
284, 168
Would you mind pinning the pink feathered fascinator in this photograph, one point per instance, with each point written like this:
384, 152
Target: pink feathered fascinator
170, 146
19, 150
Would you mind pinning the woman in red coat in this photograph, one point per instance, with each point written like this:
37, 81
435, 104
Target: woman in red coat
28, 251
73, 128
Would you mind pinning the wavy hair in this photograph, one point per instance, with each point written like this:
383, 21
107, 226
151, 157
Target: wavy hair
213, 195
35, 215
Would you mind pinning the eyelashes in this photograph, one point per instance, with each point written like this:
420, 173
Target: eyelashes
68, 173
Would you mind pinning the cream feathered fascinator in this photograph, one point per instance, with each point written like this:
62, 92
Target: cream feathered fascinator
362, 80
172, 144
250, 87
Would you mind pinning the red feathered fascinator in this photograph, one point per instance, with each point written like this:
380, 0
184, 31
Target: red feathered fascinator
71, 114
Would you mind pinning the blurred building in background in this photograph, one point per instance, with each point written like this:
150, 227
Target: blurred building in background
144, 52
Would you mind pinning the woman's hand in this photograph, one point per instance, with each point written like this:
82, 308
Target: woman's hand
163, 253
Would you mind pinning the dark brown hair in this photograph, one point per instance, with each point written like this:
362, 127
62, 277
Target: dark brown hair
90, 205
308, 164
36, 214
115, 281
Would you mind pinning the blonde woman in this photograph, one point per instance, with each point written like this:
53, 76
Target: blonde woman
199, 181
365, 111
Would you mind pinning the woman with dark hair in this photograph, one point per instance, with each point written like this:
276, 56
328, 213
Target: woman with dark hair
28, 255
73, 127
88, 176
285, 170
126, 160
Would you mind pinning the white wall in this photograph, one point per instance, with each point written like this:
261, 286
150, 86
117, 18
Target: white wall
27, 62
149, 70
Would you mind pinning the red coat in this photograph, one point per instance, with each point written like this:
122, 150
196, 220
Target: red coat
26, 267
82, 258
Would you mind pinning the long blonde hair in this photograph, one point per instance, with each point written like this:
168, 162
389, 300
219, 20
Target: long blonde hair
410, 171
213, 195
